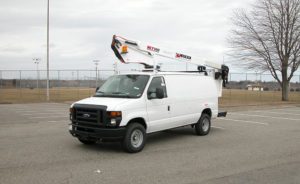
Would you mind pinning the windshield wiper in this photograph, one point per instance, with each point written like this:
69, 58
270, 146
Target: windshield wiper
113, 94
122, 94
99, 93
119, 93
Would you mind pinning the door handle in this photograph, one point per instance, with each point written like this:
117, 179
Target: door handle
169, 108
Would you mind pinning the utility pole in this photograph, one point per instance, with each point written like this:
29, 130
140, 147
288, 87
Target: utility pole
48, 95
37, 61
115, 65
160, 66
256, 77
96, 62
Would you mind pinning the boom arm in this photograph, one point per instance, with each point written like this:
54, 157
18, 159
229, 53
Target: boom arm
126, 50
130, 51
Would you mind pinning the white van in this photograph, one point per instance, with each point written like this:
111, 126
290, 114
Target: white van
127, 107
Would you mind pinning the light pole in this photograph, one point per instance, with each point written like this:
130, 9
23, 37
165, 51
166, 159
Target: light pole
48, 95
37, 61
96, 62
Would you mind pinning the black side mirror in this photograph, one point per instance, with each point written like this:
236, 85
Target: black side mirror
160, 93
157, 94
97, 89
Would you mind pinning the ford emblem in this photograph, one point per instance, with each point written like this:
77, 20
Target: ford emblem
86, 115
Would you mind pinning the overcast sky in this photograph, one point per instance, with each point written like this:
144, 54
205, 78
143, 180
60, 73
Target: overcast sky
81, 30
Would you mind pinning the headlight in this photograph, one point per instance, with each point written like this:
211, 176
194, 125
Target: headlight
114, 118
71, 113
113, 122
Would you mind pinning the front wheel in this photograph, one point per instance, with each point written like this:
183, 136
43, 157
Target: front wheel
202, 127
134, 140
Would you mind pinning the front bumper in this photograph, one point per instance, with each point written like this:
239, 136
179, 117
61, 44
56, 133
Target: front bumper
96, 133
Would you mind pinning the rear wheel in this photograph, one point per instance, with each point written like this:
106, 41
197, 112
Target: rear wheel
87, 141
134, 140
202, 127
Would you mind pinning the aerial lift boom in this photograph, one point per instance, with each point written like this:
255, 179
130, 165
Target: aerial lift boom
130, 51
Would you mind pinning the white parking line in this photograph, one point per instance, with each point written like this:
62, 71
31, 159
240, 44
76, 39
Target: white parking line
283, 113
52, 121
41, 109
58, 109
39, 113
44, 111
292, 119
244, 121
289, 106
218, 127
41, 117
287, 110
17, 109
25, 111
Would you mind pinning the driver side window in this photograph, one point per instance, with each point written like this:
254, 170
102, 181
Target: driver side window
157, 82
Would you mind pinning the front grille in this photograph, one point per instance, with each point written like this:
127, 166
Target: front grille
90, 116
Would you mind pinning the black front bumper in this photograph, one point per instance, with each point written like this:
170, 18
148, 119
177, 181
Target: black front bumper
97, 133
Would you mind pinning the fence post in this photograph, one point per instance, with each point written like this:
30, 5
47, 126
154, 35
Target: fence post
1, 85
58, 85
90, 81
246, 90
40, 86
20, 84
229, 89
1, 79
260, 91
78, 84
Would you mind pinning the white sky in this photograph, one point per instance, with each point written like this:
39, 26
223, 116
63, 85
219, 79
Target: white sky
81, 30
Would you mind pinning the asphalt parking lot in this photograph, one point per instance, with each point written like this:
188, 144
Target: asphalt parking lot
258, 145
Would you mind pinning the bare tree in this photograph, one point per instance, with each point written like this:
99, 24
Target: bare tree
267, 38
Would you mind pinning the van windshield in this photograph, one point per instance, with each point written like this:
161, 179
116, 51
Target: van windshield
123, 86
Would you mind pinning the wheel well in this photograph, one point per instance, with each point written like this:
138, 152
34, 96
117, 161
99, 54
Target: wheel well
207, 111
138, 120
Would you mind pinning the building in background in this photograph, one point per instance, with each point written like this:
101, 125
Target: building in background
255, 87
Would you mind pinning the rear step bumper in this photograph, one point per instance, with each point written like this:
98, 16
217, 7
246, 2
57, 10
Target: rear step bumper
222, 114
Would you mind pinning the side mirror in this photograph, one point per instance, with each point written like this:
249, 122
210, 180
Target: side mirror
97, 89
157, 94
160, 93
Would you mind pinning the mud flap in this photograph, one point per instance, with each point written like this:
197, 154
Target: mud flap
222, 114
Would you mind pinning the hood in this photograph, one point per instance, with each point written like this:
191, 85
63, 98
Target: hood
111, 103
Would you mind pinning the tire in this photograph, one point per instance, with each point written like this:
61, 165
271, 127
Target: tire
87, 141
202, 127
135, 138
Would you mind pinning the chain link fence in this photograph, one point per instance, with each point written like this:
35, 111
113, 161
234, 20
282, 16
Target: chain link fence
26, 86
257, 89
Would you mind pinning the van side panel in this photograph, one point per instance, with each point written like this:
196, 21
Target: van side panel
135, 108
188, 96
